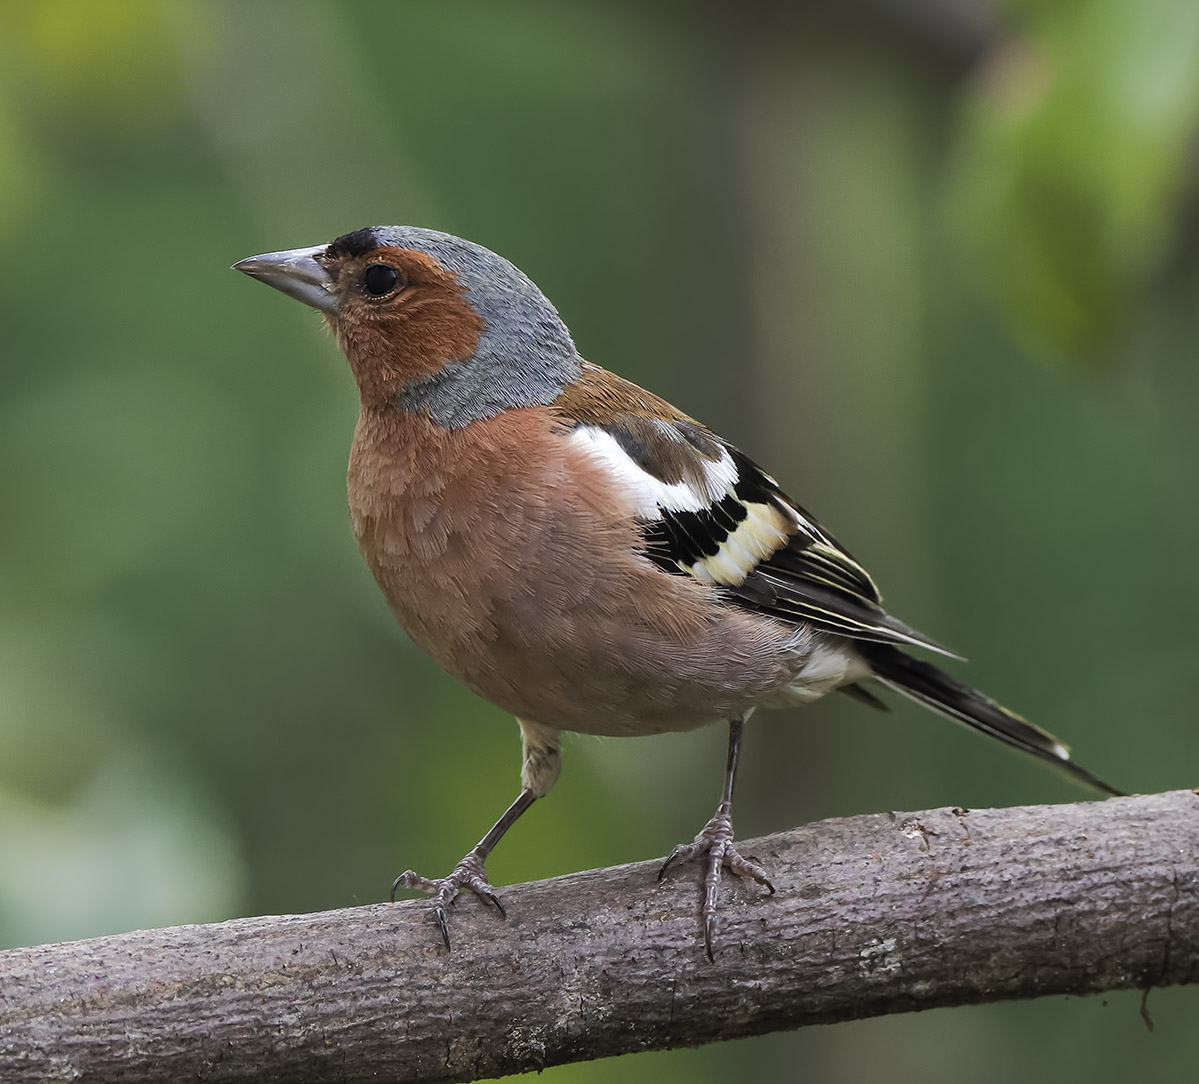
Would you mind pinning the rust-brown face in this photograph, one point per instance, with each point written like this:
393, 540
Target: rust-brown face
431, 324
400, 316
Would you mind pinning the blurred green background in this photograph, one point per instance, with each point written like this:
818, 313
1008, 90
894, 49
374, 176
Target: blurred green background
935, 263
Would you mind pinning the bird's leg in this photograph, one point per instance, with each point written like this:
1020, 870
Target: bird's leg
469, 873
541, 765
716, 841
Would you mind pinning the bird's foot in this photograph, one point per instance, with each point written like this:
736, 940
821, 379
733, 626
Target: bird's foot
469, 873
716, 841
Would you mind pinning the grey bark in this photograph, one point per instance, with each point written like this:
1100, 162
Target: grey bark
874, 914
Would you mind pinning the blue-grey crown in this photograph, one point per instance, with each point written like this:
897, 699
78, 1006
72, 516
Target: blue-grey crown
525, 355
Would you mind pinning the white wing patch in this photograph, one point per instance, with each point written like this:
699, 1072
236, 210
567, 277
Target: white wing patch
648, 494
727, 524
762, 531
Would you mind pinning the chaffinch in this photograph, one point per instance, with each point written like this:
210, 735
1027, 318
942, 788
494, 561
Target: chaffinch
576, 550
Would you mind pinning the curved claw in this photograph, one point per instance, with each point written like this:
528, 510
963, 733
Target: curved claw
410, 879
760, 878
680, 853
469, 873
716, 843
443, 923
740, 866
493, 899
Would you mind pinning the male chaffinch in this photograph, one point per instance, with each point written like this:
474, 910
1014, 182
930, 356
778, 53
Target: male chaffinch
576, 550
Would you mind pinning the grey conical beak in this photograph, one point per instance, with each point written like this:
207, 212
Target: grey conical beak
298, 272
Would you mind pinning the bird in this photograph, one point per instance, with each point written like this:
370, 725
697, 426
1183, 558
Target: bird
579, 552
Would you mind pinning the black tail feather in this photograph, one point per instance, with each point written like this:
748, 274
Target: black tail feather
935, 689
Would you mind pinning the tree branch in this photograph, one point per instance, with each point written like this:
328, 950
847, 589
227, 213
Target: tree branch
874, 914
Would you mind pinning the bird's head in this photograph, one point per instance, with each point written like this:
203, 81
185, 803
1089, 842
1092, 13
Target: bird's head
430, 323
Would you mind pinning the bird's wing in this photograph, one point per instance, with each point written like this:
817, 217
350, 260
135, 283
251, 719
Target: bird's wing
708, 511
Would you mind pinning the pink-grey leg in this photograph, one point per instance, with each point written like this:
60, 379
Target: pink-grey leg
539, 770
716, 841
469, 873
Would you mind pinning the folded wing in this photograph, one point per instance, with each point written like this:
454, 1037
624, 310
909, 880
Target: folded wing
708, 511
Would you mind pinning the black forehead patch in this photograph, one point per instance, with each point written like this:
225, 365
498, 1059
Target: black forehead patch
358, 243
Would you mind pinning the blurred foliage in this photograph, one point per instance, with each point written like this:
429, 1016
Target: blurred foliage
1076, 151
205, 707
117, 60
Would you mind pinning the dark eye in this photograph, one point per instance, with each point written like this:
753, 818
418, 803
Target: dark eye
379, 279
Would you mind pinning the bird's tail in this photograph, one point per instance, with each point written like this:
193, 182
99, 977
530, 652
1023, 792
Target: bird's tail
935, 689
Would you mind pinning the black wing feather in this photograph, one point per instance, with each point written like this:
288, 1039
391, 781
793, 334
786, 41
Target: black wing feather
791, 568
814, 578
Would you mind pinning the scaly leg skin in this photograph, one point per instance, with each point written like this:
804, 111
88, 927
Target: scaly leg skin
716, 841
469, 873
541, 765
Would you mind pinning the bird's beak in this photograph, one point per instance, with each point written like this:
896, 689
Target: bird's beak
297, 273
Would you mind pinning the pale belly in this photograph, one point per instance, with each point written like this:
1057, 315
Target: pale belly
605, 677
